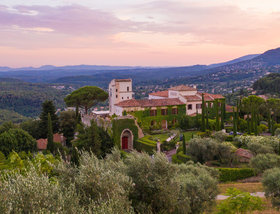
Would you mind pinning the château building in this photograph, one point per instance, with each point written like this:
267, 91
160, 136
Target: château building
162, 109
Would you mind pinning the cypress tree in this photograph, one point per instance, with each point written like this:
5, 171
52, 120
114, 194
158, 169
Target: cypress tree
207, 117
269, 121
184, 145
203, 115
234, 123
50, 145
217, 115
223, 114
48, 108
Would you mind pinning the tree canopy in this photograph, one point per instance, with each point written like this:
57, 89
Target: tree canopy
86, 97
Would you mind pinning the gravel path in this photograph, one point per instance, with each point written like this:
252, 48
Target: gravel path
223, 197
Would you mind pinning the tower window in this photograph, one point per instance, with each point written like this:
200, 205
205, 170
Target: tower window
116, 96
127, 88
116, 90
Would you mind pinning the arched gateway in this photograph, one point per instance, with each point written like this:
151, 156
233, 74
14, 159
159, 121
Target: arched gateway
127, 140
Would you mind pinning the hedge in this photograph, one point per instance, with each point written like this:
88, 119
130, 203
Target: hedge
144, 146
180, 158
233, 174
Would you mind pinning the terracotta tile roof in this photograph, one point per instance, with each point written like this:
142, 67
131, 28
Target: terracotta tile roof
42, 144
211, 97
229, 108
150, 103
58, 138
244, 153
123, 80
183, 88
160, 94
192, 98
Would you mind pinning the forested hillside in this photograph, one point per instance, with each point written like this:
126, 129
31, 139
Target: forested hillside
269, 84
7, 115
26, 98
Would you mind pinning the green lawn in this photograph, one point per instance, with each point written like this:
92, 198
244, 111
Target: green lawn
153, 138
188, 135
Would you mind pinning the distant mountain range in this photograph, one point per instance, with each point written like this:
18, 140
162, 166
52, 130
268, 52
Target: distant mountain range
219, 78
101, 74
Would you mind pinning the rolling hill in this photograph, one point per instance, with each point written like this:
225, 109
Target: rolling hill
26, 98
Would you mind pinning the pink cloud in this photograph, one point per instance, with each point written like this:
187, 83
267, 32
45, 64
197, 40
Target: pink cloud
74, 19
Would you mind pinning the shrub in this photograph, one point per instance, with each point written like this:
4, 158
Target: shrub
229, 138
262, 128
263, 162
243, 141
277, 132
258, 148
239, 202
233, 174
202, 149
271, 185
220, 136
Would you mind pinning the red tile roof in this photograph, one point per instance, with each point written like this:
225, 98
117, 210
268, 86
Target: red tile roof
211, 97
59, 138
183, 88
150, 103
42, 144
192, 98
123, 80
160, 94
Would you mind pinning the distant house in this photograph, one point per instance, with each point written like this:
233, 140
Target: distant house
58, 138
244, 155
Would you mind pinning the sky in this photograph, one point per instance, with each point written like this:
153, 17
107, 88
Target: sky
135, 32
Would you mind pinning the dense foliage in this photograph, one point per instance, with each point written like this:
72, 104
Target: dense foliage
26, 98
269, 84
239, 202
137, 184
16, 140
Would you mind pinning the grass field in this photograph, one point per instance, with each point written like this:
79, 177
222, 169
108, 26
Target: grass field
246, 187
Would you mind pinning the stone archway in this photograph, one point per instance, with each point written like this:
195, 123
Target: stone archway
127, 140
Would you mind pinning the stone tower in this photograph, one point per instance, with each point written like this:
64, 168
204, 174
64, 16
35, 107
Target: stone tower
119, 90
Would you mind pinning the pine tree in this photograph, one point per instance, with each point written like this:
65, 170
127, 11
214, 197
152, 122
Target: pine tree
203, 115
50, 145
184, 145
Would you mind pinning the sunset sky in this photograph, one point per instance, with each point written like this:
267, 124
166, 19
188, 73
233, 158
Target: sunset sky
135, 32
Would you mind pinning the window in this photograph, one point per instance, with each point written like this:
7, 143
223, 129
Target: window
116, 90
122, 98
116, 96
163, 111
190, 107
127, 88
128, 98
153, 123
198, 106
174, 111
153, 112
